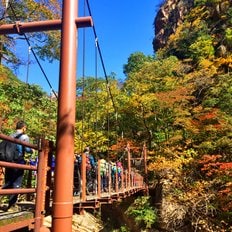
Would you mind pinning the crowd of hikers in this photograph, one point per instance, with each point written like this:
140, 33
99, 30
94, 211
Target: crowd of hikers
108, 172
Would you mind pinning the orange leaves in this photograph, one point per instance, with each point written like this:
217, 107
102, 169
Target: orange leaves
209, 115
175, 96
209, 158
210, 118
3, 77
226, 166
225, 195
226, 169
220, 173
122, 144
211, 165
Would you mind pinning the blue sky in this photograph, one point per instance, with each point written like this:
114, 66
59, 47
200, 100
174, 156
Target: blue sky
123, 27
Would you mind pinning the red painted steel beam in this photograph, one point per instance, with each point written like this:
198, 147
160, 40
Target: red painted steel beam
19, 166
145, 169
14, 140
129, 165
18, 191
83, 177
49, 25
98, 178
18, 225
63, 188
41, 186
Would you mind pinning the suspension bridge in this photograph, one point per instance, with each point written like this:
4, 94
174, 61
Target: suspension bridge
39, 196
53, 194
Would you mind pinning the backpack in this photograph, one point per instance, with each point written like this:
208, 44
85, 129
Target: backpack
88, 163
9, 151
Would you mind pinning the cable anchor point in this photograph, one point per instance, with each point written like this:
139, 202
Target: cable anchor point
17, 26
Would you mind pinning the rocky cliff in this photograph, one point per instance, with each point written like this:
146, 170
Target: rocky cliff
169, 16
203, 19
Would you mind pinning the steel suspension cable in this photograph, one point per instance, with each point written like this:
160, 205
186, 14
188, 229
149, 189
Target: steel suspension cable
83, 93
83, 84
101, 58
106, 77
96, 87
35, 56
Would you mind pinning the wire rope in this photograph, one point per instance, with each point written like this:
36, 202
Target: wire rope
34, 54
102, 61
96, 87
105, 74
109, 95
96, 95
83, 84
95, 120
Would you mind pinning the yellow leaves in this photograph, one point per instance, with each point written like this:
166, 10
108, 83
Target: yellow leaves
4, 74
224, 63
162, 164
147, 99
198, 13
209, 65
176, 139
172, 97
49, 10
175, 36
202, 47
38, 10
3, 78
4, 109
196, 22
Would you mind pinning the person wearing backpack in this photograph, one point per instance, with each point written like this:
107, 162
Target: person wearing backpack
90, 171
14, 176
77, 175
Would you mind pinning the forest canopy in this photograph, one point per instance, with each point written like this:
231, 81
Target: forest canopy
178, 103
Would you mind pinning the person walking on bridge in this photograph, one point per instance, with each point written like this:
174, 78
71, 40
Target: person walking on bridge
14, 176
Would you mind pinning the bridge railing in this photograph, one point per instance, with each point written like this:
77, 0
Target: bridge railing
117, 184
41, 185
94, 182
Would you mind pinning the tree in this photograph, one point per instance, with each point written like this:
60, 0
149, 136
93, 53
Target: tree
135, 62
45, 44
27, 102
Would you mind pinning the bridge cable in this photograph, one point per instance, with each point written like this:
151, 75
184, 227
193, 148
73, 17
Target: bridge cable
101, 58
95, 125
83, 86
106, 77
34, 54
96, 95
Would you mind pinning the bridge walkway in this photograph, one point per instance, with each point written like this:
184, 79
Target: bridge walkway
37, 194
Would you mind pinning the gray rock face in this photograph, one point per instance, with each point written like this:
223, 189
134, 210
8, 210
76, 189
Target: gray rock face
169, 16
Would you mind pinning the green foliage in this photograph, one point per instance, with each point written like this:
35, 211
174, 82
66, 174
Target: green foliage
200, 2
122, 229
202, 32
202, 48
220, 94
142, 212
135, 62
45, 44
97, 122
229, 36
179, 104
27, 102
